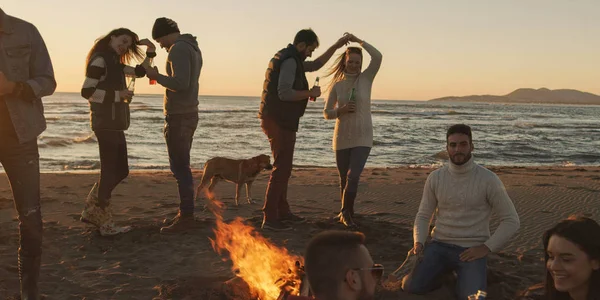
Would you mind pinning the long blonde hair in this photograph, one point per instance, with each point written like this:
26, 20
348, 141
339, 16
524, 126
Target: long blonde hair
339, 66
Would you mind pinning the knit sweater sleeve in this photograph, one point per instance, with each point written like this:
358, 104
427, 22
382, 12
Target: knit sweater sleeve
376, 59
330, 112
426, 209
505, 210
94, 74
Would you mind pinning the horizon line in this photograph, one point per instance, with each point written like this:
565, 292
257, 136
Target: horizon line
202, 95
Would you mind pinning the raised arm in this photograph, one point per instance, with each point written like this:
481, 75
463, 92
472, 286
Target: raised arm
311, 66
140, 70
376, 56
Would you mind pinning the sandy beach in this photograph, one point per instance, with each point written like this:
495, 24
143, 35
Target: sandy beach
78, 263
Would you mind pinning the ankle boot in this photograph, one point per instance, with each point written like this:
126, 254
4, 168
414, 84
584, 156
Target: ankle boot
29, 273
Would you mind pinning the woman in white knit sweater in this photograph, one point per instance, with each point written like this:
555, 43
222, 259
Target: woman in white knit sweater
353, 134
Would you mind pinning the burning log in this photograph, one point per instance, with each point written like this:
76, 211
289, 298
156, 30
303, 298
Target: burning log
297, 287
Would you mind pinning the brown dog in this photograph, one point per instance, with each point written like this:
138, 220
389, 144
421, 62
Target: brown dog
238, 171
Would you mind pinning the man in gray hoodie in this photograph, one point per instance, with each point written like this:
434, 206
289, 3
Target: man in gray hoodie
184, 63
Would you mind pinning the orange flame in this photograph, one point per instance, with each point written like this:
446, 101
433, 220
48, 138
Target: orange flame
266, 268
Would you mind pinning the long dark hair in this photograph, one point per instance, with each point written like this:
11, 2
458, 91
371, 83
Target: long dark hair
339, 66
585, 233
103, 44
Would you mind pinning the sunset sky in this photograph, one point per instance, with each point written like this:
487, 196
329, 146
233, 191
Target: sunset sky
431, 48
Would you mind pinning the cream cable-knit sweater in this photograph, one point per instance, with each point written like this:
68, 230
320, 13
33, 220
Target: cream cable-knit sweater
354, 129
463, 198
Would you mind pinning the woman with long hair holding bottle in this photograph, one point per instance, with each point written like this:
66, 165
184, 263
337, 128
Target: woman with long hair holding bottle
106, 90
349, 103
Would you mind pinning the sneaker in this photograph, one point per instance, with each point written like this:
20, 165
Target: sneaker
290, 217
275, 226
180, 223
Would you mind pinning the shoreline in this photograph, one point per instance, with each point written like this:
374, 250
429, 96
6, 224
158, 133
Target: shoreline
310, 167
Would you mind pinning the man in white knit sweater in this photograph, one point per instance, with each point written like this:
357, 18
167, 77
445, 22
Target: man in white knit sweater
463, 195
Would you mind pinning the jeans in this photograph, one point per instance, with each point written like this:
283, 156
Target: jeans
22, 166
282, 143
114, 166
350, 164
179, 134
441, 257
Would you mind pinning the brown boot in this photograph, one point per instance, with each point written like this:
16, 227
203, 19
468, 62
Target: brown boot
29, 273
181, 222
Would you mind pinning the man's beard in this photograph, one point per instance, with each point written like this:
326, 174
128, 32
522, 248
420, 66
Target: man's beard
467, 158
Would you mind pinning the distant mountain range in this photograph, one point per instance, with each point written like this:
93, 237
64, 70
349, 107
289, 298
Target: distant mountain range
542, 95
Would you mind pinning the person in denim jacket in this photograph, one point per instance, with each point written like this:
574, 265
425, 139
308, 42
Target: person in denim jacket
26, 75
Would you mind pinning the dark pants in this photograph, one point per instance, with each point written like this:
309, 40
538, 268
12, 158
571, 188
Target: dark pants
114, 166
22, 166
441, 257
179, 134
282, 143
350, 164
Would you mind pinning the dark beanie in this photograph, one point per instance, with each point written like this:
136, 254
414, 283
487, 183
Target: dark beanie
163, 26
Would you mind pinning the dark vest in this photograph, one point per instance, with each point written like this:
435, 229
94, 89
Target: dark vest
285, 113
110, 115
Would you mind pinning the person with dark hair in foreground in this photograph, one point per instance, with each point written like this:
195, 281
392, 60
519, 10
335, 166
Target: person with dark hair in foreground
463, 196
339, 266
572, 255
284, 99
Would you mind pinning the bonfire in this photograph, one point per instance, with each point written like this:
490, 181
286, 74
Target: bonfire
270, 271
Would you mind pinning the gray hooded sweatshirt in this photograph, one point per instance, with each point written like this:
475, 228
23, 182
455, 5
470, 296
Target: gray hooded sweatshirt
183, 69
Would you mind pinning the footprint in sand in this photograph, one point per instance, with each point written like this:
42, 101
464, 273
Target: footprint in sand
49, 199
399, 202
544, 184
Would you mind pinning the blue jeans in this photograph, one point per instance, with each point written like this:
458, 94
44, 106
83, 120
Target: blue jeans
350, 163
439, 258
179, 133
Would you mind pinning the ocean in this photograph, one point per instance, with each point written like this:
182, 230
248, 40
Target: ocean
406, 133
